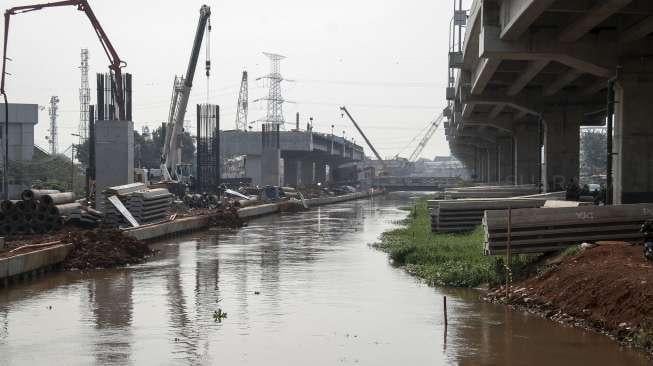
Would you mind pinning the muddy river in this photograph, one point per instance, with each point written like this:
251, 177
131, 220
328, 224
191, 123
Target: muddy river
298, 289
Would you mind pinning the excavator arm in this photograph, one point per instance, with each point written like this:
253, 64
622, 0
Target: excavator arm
115, 65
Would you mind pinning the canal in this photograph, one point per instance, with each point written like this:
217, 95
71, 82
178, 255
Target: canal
298, 289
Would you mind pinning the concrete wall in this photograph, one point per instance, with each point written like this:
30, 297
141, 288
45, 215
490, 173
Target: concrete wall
114, 154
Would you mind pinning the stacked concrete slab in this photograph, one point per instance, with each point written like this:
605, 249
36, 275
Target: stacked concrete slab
541, 230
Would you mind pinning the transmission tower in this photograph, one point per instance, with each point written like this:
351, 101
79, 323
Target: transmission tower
241, 114
84, 97
275, 100
53, 138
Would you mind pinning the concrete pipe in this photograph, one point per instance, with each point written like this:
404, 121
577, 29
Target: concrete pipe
58, 198
35, 194
67, 209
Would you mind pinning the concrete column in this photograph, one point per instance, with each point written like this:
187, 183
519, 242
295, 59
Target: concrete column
483, 157
270, 164
307, 172
527, 151
506, 161
320, 171
561, 148
493, 170
291, 169
633, 138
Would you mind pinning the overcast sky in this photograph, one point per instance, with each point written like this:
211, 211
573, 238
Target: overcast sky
384, 59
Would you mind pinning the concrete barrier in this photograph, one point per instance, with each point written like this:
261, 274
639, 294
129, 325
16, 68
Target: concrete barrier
32, 261
177, 226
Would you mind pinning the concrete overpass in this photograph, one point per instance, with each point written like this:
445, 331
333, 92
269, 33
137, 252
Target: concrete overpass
529, 73
307, 157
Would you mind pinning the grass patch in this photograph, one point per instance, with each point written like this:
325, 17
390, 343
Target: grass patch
443, 259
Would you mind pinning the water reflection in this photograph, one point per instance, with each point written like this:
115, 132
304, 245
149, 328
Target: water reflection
324, 297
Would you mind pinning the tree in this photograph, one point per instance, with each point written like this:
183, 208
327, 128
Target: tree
147, 152
593, 152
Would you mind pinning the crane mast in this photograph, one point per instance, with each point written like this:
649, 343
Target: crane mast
363, 134
425, 140
171, 155
116, 64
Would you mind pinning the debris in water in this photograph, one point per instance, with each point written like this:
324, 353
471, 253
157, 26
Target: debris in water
218, 315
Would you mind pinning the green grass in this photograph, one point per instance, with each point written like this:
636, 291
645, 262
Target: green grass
442, 259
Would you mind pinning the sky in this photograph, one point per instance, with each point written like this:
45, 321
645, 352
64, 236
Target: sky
386, 60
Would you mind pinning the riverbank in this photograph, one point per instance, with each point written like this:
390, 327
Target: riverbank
440, 259
89, 249
607, 288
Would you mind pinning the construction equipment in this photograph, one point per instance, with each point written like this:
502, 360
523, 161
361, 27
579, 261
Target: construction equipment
427, 137
116, 64
171, 167
241, 112
344, 109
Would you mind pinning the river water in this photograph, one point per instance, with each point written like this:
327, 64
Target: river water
298, 289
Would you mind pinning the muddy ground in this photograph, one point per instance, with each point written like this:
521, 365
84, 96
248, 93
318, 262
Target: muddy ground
607, 288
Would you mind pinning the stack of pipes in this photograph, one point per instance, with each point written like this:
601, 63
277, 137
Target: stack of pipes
39, 211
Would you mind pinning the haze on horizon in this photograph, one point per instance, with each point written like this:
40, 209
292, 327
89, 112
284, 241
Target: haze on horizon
385, 60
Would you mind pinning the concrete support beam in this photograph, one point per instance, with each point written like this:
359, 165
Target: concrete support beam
292, 168
637, 31
505, 157
583, 55
496, 111
493, 164
483, 73
590, 19
527, 154
595, 87
307, 172
518, 15
534, 68
633, 159
561, 147
563, 80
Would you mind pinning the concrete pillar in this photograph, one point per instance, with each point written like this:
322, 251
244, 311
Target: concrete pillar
253, 168
114, 155
492, 166
320, 171
527, 151
307, 172
633, 138
561, 148
291, 171
506, 161
270, 167
484, 165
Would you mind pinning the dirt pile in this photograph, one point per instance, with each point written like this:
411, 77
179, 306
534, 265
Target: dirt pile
608, 288
227, 218
104, 248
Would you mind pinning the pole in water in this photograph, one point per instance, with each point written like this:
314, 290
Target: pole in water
446, 321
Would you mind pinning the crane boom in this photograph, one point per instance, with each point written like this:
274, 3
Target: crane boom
427, 137
170, 156
116, 64
363, 134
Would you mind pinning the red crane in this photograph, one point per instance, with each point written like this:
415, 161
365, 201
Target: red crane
82, 5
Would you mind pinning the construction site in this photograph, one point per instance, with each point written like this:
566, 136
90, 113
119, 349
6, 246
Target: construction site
257, 215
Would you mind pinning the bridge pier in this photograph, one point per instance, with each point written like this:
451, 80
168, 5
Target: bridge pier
291, 170
506, 160
633, 139
561, 148
527, 151
493, 169
307, 173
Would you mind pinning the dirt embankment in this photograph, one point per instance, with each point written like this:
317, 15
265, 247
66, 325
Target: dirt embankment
608, 288
104, 248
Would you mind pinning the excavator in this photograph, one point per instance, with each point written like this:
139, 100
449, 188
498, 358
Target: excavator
173, 171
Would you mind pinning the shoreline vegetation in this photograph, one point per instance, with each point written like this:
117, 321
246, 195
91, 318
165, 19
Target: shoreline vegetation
440, 259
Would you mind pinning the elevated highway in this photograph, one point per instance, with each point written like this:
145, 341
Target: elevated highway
528, 73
